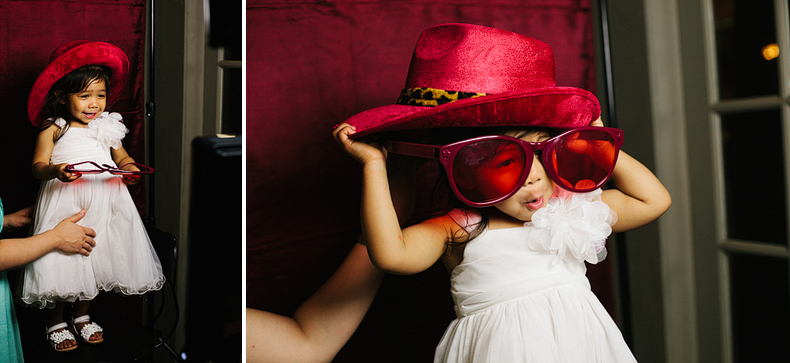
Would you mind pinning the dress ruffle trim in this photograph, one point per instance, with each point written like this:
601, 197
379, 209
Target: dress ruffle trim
49, 298
573, 226
109, 129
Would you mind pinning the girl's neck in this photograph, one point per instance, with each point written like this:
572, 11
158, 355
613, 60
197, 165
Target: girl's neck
499, 220
77, 125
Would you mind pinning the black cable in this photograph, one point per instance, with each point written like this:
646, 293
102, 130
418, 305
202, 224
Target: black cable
175, 323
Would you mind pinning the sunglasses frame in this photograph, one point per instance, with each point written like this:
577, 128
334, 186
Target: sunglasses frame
110, 169
446, 155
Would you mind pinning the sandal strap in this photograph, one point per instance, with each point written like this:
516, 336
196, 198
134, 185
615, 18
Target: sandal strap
89, 329
58, 337
56, 327
81, 319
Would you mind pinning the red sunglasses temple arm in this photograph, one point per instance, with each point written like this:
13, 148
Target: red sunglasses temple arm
412, 149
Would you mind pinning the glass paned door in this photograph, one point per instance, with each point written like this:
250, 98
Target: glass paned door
749, 113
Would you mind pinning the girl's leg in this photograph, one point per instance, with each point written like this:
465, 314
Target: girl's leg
80, 309
56, 317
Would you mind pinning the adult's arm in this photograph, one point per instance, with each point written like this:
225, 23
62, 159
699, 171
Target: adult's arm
321, 325
67, 236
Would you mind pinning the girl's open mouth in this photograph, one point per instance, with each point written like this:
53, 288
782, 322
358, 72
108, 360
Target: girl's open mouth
535, 204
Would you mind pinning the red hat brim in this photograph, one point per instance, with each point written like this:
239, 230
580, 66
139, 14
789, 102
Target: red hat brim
556, 107
79, 54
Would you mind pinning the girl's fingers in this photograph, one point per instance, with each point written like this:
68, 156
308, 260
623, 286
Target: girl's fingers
342, 132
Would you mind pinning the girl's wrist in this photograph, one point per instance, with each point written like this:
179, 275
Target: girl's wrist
374, 163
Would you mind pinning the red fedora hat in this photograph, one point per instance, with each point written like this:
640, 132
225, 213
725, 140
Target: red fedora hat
464, 75
69, 57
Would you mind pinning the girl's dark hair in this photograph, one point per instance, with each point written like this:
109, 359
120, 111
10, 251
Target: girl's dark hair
56, 102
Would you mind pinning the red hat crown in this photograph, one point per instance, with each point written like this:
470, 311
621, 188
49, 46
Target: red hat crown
460, 57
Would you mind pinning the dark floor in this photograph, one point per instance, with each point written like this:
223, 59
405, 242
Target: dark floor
125, 337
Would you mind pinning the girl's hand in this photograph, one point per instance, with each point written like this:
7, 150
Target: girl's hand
64, 175
363, 152
131, 179
18, 219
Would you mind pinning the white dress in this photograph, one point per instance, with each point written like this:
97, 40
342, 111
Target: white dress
123, 260
521, 294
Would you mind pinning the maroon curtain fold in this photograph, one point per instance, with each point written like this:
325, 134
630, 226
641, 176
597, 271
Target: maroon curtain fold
30, 30
310, 65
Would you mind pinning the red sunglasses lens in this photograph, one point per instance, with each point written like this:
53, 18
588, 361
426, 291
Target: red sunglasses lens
486, 170
584, 159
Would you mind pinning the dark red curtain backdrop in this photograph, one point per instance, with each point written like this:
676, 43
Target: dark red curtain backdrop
29, 31
310, 65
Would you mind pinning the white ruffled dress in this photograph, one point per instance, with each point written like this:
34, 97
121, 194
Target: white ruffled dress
521, 294
123, 260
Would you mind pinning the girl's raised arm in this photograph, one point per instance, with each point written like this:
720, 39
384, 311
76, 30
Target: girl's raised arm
391, 249
640, 197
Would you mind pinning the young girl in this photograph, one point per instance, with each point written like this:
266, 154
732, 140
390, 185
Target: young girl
68, 102
533, 211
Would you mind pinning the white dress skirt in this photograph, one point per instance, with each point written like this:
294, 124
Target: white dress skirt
521, 294
123, 261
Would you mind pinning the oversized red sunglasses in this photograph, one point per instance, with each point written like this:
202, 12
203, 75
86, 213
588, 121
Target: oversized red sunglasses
486, 170
90, 167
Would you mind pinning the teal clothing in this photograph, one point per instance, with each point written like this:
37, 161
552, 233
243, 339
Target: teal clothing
10, 342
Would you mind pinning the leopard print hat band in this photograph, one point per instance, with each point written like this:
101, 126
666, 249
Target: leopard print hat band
432, 97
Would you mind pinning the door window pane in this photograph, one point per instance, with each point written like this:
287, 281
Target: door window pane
744, 29
754, 177
760, 315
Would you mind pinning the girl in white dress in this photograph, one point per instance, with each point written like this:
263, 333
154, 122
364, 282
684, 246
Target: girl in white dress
68, 102
526, 208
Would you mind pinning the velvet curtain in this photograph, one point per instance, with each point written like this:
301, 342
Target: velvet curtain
29, 31
310, 65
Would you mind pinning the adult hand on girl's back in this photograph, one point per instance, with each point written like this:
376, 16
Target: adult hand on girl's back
18, 219
75, 238
64, 175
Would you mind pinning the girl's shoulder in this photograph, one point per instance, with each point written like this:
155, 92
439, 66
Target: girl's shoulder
54, 129
468, 219
457, 222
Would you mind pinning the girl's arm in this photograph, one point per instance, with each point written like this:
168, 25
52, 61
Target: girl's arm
42, 169
67, 236
391, 249
321, 325
121, 157
639, 197
123, 160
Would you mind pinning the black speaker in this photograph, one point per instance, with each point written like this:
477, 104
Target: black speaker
213, 304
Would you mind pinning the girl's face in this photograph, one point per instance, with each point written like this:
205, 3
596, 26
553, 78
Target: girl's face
537, 189
89, 103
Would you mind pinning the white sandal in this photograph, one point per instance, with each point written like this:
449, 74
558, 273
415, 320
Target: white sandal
87, 329
56, 337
